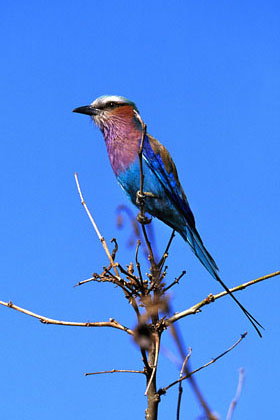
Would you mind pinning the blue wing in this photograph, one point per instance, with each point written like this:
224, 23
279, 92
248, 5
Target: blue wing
160, 162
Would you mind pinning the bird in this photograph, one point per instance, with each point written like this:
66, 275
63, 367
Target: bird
121, 125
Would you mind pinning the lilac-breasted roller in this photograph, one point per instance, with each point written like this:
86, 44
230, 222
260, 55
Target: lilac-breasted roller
119, 121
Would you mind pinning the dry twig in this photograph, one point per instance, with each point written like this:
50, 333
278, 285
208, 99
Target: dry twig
100, 237
114, 371
211, 298
165, 254
179, 342
180, 384
176, 281
163, 390
237, 395
112, 323
154, 368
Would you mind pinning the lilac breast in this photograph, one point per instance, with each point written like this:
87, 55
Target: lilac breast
122, 142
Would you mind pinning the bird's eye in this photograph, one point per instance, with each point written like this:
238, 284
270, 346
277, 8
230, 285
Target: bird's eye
111, 104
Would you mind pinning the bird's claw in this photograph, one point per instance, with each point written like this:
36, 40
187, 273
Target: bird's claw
140, 199
144, 220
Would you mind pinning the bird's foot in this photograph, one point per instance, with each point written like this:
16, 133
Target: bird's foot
144, 220
140, 202
140, 199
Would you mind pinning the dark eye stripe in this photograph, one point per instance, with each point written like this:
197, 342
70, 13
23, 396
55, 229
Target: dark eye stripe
112, 105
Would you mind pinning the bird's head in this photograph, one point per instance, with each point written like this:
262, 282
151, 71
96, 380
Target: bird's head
110, 110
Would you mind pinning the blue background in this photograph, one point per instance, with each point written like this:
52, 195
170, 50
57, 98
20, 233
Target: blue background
205, 77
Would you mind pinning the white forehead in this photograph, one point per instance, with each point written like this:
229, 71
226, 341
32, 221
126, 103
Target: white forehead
103, 100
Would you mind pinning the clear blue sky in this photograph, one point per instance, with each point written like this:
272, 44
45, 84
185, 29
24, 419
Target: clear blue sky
205, 76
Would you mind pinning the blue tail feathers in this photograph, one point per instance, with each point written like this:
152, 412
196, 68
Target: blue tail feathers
194, 240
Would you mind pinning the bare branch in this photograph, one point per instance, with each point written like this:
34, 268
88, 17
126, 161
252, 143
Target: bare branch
112, 323
138, 263
140, 154
180, 384
144, 358
128, 293
80, 283
163, 390
204, 404
100, 237
175, 281
141, 195
237, 395
114, 371
115, 250
128, 274
165, 254
151, 257
154, 368
211, 298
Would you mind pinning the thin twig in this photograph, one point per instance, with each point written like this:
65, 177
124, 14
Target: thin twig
138, 266
158, 267
127, 273
175, 281
155, 363
100, 237
151, 257
110, 278
114, 371
80, 283
112, 323
180, 384
140, 154
136, 232
165, 254
163, 274
144, 359
179, 342
115, 250
196, 308
126, 287
163, 390
127, 293
237, 395
140, 200
185, 362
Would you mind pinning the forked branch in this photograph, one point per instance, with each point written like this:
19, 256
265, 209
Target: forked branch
163, 390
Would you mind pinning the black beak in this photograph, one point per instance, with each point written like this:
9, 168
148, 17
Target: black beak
87, 110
